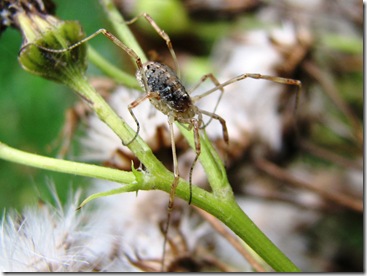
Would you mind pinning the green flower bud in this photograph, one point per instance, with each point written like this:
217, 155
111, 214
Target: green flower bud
46, 40
42, 35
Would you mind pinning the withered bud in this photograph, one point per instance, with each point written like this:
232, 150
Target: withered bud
10, 8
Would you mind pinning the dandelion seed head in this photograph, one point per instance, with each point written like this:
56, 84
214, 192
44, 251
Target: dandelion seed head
40, 239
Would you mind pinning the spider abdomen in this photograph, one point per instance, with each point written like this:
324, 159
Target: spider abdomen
173, 97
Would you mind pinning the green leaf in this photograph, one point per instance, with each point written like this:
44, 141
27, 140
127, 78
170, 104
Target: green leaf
124, 189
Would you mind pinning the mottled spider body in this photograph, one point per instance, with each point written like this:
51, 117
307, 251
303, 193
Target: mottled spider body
169, 94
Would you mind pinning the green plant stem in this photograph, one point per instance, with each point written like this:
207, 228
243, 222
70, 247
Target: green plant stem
111, 70
64, 166
121, 28
123, 131
228, 211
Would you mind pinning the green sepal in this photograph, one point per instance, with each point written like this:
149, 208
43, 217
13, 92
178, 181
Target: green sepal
139, 176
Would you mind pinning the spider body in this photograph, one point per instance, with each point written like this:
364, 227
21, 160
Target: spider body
168, 93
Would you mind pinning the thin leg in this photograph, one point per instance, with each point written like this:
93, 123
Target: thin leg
173, 189
221, 121
224, 129
204, 78
196, 126
217, 85
162, 34
107, 34
256, 76
135, 104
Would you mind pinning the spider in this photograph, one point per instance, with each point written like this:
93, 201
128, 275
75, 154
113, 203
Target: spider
164, 89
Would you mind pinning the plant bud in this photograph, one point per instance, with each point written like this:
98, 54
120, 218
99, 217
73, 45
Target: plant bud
46, 40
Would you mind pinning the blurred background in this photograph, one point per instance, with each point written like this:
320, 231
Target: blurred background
316, 167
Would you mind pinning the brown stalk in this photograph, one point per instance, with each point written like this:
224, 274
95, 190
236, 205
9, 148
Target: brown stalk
330, 89
233, 240
281, 174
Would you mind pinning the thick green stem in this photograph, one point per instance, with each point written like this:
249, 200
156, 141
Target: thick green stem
222, 204
119, 126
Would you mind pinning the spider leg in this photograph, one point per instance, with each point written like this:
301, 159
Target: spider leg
204, 78
162, 34
217, 86
256, 76
107, 34
134, 104
221, 121
224, 129
194, 124
173, 188
196, 127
